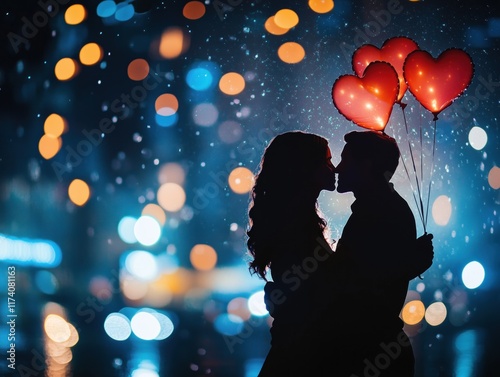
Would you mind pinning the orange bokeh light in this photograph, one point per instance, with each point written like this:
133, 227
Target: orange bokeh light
156, 212
194, 10
75, 14
166, 104
173, 43
241, 180
79, 192
91, 54
274, 29
48, 146
203, 257
413, 312
321, 6
55, 125
232, 83
291, 52
66, 69
138, 69
286, 18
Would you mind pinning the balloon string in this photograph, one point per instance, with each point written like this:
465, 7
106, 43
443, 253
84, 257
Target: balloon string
432, 171
420, 207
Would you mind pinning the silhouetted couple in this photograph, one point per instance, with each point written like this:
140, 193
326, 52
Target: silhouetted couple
336, 313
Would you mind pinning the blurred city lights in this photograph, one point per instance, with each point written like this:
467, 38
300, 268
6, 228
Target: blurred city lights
126, 229
54, 125
199, 79
91, 54
441, 210
228, 324
117, 326
477, 138
124, 12
145, 325
203, 257
29, 252
173, 43
138, 69
147, 230
171, 197
435, 314
141, 264
272, 28
49, 146
194, 10
413, 312
286, 18
75, 14
232, 83
291, 52
241, 180
66, 69
106, 8
473, 275
256, 304
321, 6
79, 192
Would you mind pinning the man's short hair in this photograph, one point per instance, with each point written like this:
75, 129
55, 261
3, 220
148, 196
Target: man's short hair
377, 147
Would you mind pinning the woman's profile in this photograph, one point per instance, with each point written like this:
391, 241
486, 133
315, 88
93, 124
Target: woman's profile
286, 227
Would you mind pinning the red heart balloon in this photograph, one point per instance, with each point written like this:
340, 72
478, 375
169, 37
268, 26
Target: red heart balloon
394, 51
367, 101
436, 83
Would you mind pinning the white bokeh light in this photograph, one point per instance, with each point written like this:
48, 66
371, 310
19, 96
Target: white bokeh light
256, 304
147, 230
473, 275
126, 229
117, 326
145, 325
141, 264
477, 138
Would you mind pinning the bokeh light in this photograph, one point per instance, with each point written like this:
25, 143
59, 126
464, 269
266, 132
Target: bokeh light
241, 180
166, 120
230, 131
199, 78
145, 325
239, 306
49, 146
66, 69
138, 69
291, 52
124, 12
171, 172
133, 288
441, 210
54, 125
126, 229
171, 197
321, 6
232, 83
272, 28
173, 43
435, 314
286, 18
473, 275
75, 14
156, 212
256, 304
91, 54
166, 325
56, 328
413, 312
147, 230
79, 192
205, 114
477, 138
494, 177
117, 326
106, 8
228, 324
194, 10
142, 265
203, 257
166, 104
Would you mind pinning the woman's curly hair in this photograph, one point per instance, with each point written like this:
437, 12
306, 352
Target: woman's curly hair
283, 207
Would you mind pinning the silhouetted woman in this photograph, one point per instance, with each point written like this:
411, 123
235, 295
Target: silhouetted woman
289, 237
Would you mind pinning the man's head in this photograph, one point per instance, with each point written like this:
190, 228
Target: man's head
368, 157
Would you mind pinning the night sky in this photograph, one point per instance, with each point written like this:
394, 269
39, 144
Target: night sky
131, 151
